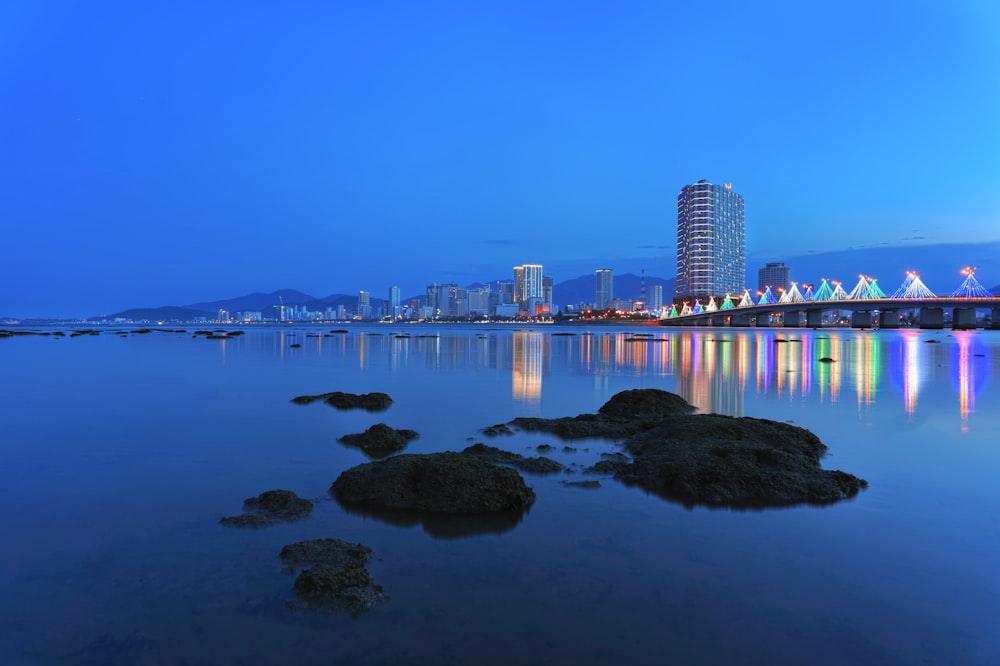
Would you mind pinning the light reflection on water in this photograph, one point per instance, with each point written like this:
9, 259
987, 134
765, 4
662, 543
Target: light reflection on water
119, 455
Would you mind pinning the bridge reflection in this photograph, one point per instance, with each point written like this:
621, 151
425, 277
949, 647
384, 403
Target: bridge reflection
718, 370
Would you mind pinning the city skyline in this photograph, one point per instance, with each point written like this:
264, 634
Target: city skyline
165, 154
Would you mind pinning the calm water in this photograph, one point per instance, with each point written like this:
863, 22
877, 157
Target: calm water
118, 455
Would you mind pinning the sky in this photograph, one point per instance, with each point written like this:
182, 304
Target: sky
163, 153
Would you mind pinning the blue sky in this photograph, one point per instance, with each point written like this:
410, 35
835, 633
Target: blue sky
162, 153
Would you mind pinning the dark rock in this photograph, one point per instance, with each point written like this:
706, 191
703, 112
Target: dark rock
536, 465
380, 440
498, 429
372, 402
434, 482
544, 448
569, 449
707, 459
626, 413
337, 578
644, 405
826, 359
716, 460
564, 334
294, 345
269, 508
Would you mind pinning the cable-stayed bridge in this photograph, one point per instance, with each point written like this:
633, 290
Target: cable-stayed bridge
867, 304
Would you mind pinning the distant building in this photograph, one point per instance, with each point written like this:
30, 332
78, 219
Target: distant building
711, 250
605, 291
774, 275
547, 292
364, 305
394, 309
656, 297
479, 300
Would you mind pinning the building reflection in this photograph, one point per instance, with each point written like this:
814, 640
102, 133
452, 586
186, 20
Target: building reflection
526, 375
712, 369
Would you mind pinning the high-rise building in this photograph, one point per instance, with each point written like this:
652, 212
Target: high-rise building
394, 294
547, 291
656, 300
364, 305
711, 250
527, 282
605, 291
775, 275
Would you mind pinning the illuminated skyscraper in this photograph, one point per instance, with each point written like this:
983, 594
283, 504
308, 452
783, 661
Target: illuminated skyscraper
527, 282
711, 250
605, 284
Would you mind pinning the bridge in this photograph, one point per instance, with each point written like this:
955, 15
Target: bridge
868, 305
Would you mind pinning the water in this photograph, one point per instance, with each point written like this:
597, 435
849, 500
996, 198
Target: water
118, 455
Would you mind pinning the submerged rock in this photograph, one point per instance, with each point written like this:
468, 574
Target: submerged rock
586, 485
536, 465
372, 402
337, 577
498, 429
451, 483
269, 508
380, 440
706, 459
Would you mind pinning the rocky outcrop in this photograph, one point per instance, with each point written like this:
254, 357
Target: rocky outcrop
270, 508
706, 459
722, 461
535, 465
380, 440
336, 577
451, 483
372, 402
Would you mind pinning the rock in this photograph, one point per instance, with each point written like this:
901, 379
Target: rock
450, 482
294, 345
569, 449
826, 359
380, 440
269, 508
706, 459
536, 465
498, 429
544, 448
372, 402
626, 413
644, 405
337, 577
716, 460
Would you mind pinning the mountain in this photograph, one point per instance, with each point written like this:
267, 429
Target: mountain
165, 313
256, 301
626, 286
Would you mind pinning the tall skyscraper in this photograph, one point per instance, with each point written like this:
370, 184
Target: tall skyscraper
605, 291
774, 275
394, 294
656, 302
364, 305
711, 250
527, 282
547, 291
